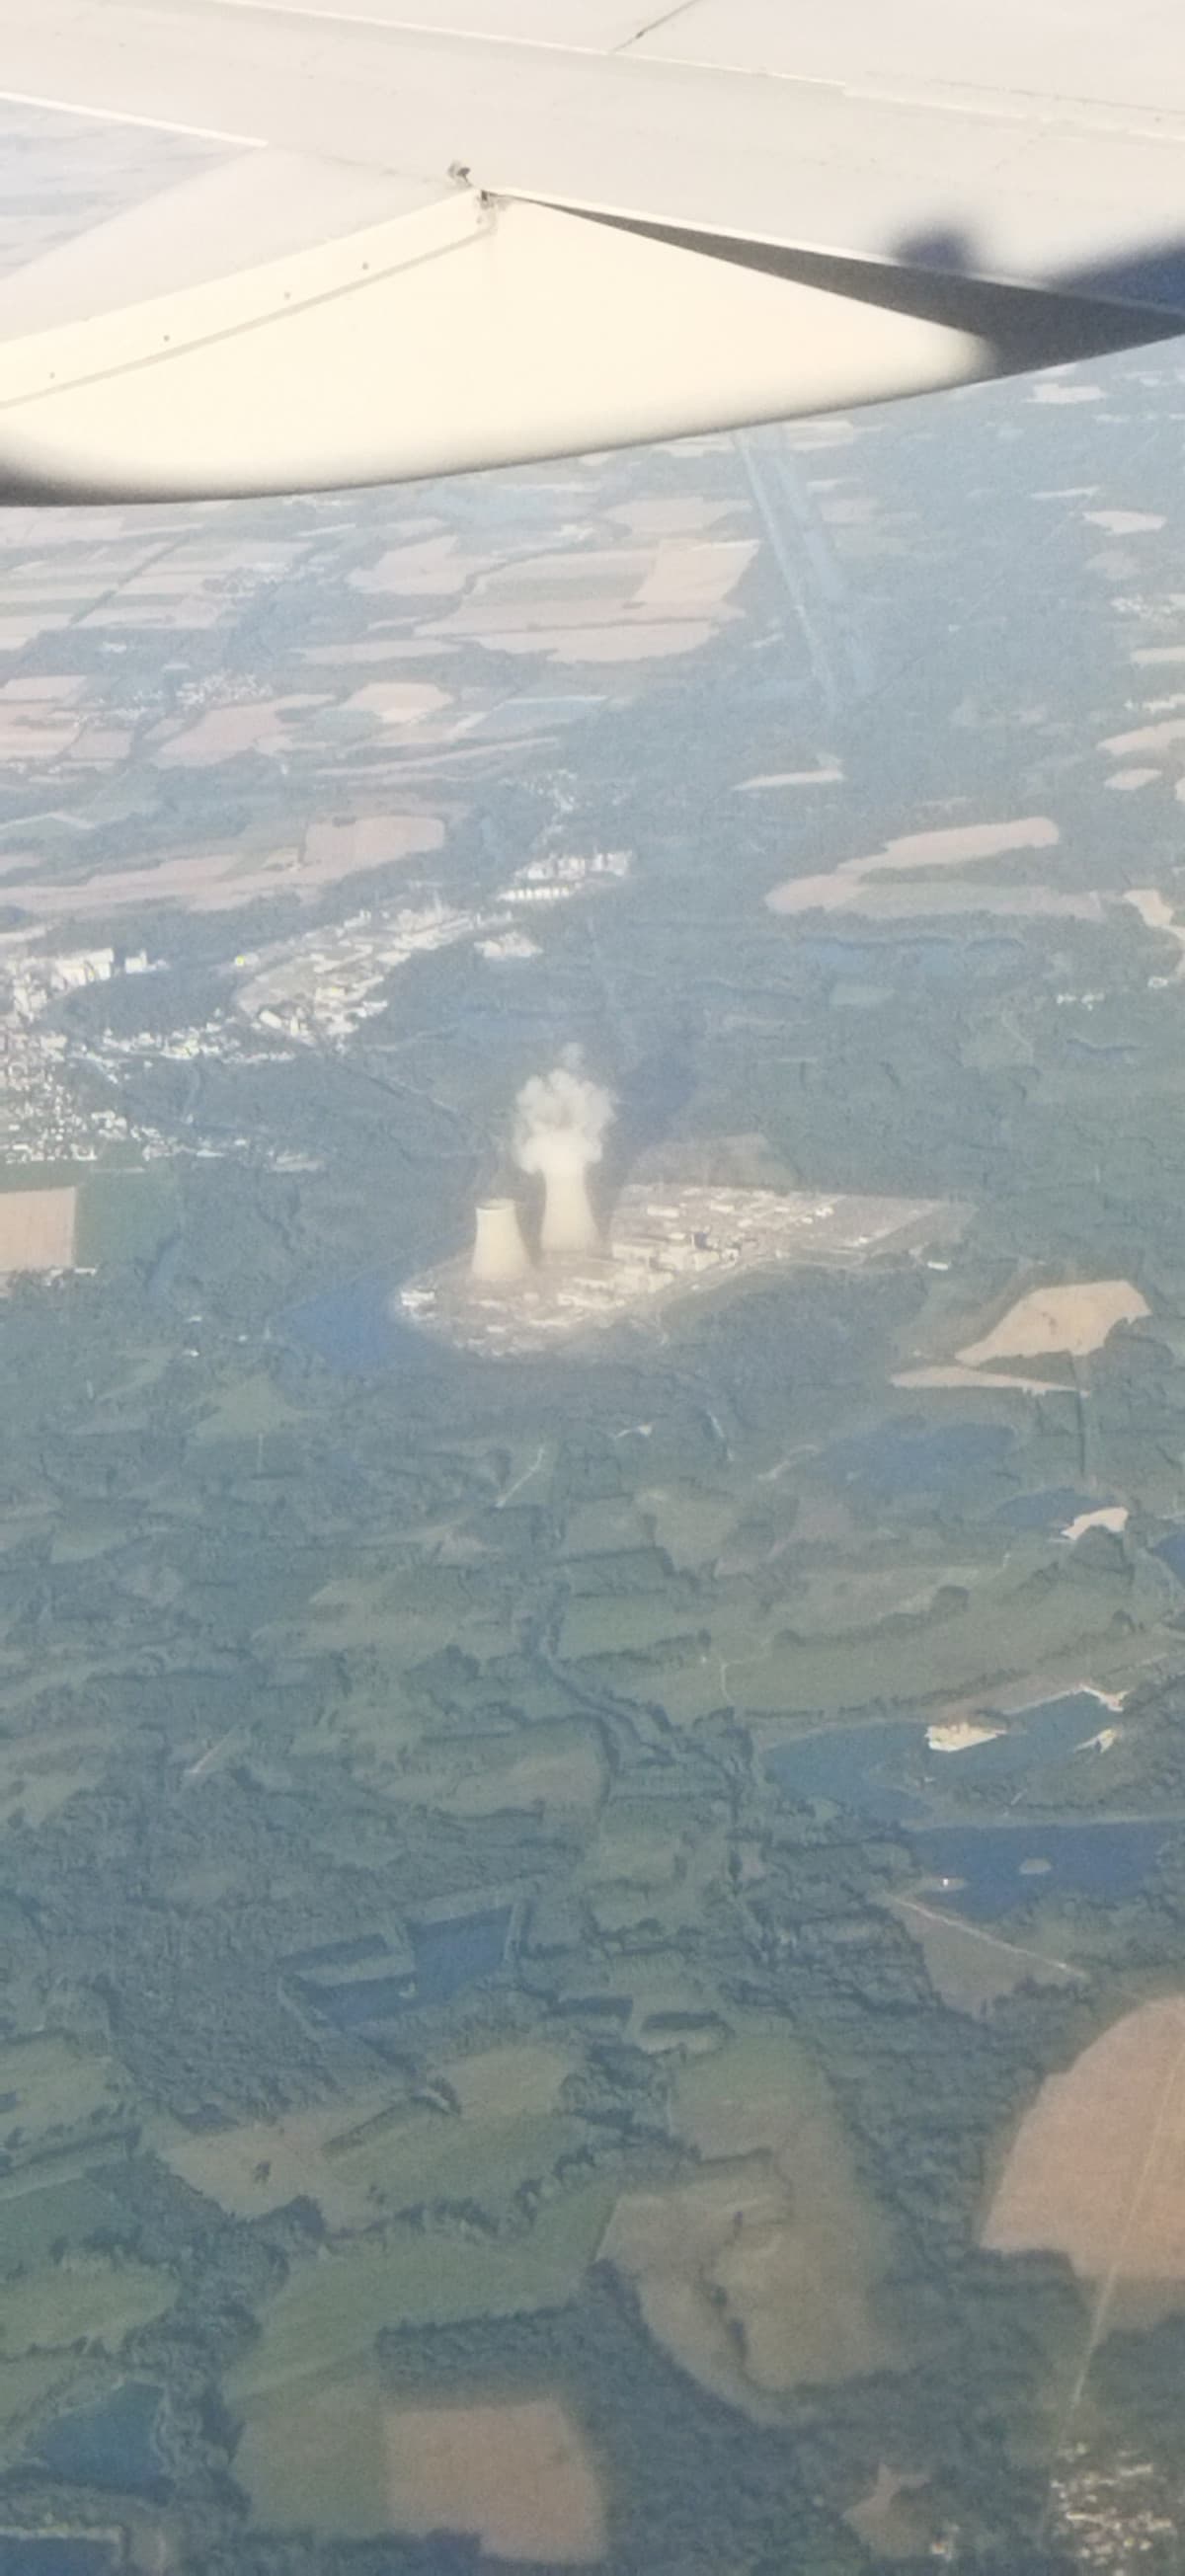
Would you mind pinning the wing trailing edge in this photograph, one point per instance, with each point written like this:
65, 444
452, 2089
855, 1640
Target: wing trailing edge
474, 332
485, 331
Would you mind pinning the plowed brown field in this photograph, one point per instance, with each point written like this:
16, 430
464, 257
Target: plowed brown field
1097, 2168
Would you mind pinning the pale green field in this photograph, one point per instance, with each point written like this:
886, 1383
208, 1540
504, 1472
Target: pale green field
384, 2151
339, 2457
689, 1522
1011, 1622
312, 2457
38, 2213
557, 1767
650, 1869
87, 1530
969, 1965
619, 1623
39, 1773
329, 2312
247, 1408
82, 2299
26, 2384
840, 1640
355, 1611
59, 2090
603, 1526
763, 2274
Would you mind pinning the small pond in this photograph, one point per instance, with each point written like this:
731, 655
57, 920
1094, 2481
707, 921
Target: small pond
1053, 1509
890, 1773
999, 1866
447, 1954
111, 2444
452, 1954
352, 1327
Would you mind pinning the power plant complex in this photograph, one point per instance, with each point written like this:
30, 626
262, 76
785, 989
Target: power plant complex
529, 1287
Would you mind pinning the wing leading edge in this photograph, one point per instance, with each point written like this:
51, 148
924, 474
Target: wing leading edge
613, 263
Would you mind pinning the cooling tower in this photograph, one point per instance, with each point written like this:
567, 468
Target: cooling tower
499, 1252
568, 1221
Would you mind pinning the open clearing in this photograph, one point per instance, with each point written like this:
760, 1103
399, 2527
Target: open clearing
26, 2385
384, 2150
534, 1768
517, 2476
37, 1229
222, 880
1097, 2168
83, 2299
1076, 1319
340, 2457
331, 2308
971, 1968
59, 2094
763, 2273
903, 862
38, 1773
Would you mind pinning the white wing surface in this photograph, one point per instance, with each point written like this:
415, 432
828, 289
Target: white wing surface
426, 235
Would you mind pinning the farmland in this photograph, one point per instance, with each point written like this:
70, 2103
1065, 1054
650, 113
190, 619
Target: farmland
1095, 2170
764, 2273
590, 1940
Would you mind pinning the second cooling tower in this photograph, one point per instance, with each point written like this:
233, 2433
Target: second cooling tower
499, 1252
568, 1221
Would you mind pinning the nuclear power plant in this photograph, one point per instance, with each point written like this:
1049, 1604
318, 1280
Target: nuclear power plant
499, 1253
667, 1238
559, 1126
568, 1226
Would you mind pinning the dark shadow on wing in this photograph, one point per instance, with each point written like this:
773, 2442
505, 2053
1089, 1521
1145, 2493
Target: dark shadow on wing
1084, 313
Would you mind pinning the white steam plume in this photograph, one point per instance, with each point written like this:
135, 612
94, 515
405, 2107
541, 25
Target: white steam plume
560, 1120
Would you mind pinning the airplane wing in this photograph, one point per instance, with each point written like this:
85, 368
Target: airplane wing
429, 235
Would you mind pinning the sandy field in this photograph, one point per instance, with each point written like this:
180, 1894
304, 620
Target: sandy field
399, 702
609, 604
1156, 913
956, 845
1152, 737
565, 644
220, 880
1124, 523
220, 732
825, 775
518, 2477
1076, 1319
428, 569
37, 1229
1054, 391
951, 1375
1097, 2168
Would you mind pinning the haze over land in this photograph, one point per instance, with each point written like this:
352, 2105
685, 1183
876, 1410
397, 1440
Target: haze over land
594, 1858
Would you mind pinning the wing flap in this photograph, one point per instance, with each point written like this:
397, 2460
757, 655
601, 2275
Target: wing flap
471, 333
